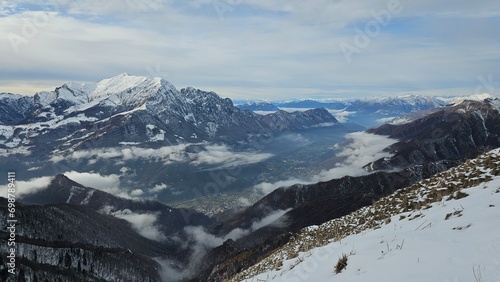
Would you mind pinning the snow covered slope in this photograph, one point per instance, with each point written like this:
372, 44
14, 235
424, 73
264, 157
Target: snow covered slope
441, 229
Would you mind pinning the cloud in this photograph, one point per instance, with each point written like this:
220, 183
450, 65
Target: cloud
275, 218
200, 242
386, 120
341, 115
362, 149
144, 224
267, 187
221, 155
107, 183
200, 236
136, 192
188, 40
27, 187
244, 202
158, 188
166, 154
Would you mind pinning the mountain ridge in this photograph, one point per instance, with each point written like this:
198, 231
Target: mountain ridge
125, 107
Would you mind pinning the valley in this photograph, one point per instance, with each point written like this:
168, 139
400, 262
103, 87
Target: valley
209, 195
249, 141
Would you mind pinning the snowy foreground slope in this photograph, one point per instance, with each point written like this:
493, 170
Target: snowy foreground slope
446, 228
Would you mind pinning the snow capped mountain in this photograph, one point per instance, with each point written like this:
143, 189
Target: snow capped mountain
475, 97
126, 109
14, 108
371, 111
258, 106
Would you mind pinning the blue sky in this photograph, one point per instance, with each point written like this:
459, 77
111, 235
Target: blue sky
256, 49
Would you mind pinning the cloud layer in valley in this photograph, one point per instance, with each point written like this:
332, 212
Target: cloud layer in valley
144, 223
360, 149
28, 186
218, 155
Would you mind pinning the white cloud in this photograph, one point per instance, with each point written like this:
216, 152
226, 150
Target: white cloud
267, 187
244, 201
341, 115
275, 218
385, 120
107, 183
136, 192
362, 149
199, 235
221, 154
158, 188
144, 224
208, 155
27, 187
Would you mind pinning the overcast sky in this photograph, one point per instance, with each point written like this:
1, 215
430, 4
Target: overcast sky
256, 49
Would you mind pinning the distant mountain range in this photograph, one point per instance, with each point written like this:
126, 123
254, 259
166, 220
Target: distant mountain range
367, 111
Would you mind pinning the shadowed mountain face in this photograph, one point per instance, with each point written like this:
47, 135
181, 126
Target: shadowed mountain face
455, 133
70, 243
427, 146
63, 190
77, 233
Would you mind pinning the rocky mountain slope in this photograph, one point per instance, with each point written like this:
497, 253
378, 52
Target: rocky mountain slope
70, 243
449, 216
318, 203
454, 133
